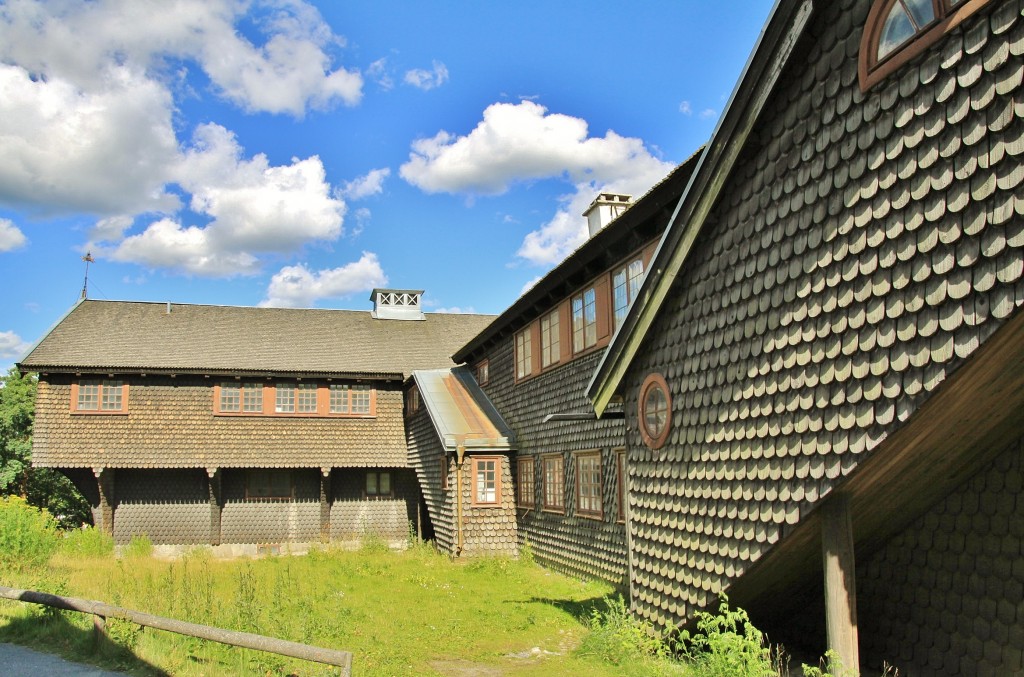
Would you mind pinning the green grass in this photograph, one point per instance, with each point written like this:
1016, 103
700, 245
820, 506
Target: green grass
400, 613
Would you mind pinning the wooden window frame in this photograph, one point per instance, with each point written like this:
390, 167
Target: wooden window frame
378, 494
269, 498
630, 283
557, 491
654, 439
551, 339
872, 70
525, 356
477, 462
412, 400
268, 404
445, 470
526, 487
622, 491
588, 458
482, 372
102, 384
579, 329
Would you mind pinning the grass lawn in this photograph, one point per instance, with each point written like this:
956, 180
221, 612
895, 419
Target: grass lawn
400, 613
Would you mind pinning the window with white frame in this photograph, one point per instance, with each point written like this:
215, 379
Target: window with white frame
588, 484
584, 320
524, 353
550, 340
625, 284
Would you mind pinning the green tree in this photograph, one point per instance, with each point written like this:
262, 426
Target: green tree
41, 487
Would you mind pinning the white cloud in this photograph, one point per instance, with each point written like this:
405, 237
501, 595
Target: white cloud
299, 287
530, 285
685, 108
12, 345
378, 71
289, 72
365, 186
254, 208
521, 142
456, 310
427, 80
10, 236
708, 113
104, 151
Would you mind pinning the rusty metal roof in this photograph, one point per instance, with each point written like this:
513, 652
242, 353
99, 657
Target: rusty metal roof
461, 412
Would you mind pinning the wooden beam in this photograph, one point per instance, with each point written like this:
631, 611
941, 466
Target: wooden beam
105, 484
840, 582
325, 504
213, 476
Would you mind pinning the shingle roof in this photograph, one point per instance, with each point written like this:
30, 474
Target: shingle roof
139, 336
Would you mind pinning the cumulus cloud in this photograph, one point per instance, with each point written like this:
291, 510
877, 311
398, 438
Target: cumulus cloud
522, 142
102, 151
253, 207
365, 186
378, 72
299, 287
290, 71
427, 80
11, 236
12, 345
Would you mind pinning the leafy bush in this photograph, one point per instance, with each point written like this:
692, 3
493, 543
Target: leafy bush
28, 535
87, 542
617, 637
727, 645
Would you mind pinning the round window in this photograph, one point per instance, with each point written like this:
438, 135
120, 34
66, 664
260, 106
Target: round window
655, 411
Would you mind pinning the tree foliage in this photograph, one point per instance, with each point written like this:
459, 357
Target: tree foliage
41, 487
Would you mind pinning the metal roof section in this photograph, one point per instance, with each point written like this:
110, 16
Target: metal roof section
460, 411
776, 43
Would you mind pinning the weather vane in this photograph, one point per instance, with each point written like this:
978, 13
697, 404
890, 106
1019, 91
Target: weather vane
85, 284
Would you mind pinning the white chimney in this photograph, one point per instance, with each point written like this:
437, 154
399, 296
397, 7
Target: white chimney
397, 304
605, 208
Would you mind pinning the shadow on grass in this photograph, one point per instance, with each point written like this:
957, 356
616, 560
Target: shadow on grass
581, 610
54, 633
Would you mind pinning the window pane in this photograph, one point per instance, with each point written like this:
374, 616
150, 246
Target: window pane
111, 395
636, 278
371, 484
339, 398
89, 395
252, 398
921, 11
550, 344
486, 481
590, 317
285, 403
897, 29
306, 398
656, 411
360, 399
620, 296
230, 397
577, 324
385, 483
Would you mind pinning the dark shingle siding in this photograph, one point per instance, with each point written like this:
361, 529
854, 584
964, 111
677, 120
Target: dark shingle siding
856, 259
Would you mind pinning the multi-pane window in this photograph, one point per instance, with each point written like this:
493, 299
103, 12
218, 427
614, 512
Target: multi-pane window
99, 396
443, 463
268, 485
486, 481
550, 343
625, 284
524, 354
483, 372
252, 398
300, 398
554, 485
584, 320
349, 399
588, 484
412, 400
284, 402
526, 485
378, 484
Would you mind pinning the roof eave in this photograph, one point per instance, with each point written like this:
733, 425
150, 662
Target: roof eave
775, 44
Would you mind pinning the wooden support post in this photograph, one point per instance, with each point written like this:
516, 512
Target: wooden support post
325, 504
214, 476
840, 581
99, 630
105, 483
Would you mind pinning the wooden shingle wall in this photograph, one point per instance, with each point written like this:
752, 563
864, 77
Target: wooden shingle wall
865, 245
425, 452
576, 545
168, 506
170, 423
390, 518
489, 530
946, 596
273, 521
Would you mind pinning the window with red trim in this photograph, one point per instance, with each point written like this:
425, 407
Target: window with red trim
588, 484
486, 480
99, 396
526, 487
298, 398
554, 482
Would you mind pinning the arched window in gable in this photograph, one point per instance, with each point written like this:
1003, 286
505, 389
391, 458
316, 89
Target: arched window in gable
898, 30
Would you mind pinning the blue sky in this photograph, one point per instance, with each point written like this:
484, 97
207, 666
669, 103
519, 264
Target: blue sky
301, 154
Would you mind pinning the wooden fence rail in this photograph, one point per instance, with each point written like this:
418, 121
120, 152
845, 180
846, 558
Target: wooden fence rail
247, 640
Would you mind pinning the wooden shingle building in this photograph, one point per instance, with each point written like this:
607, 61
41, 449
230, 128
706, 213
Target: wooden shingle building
224, 425
792, 372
